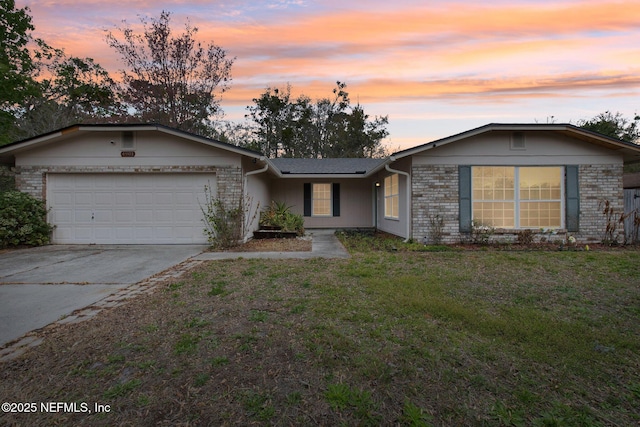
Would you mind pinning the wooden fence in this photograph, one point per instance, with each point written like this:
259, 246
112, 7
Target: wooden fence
632, 215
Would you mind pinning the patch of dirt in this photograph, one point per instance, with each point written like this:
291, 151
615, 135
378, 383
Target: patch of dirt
299, 244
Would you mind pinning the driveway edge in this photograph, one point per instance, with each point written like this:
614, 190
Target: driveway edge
16, 348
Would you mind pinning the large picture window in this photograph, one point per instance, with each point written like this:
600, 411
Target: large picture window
517, 197
321, 200
391, 196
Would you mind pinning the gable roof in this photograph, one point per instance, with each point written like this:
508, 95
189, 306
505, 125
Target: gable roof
630, 151
6, 151
347, 167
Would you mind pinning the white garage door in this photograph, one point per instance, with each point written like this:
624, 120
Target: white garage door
127, 208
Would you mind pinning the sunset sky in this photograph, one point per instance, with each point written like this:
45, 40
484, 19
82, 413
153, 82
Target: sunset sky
435, 68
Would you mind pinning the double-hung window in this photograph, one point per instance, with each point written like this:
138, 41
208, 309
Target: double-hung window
391, 196
321, 200
518, 196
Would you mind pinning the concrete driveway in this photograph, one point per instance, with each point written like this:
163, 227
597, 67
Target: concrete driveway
40, 285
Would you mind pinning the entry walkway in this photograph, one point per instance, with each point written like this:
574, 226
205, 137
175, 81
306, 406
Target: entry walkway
324, 244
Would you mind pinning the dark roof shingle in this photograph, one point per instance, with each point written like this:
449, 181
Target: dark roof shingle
326, 166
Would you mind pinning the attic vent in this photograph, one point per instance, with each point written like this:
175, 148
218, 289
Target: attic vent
517, 141
127, 140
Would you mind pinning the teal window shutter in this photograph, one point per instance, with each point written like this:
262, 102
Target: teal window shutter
464, 191
572, 202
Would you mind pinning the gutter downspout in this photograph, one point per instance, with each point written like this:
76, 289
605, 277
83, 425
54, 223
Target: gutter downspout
245, 185
393, 159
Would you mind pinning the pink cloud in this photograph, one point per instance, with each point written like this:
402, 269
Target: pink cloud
390, 52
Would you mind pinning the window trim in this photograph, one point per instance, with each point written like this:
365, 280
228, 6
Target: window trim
517, 201
394, 198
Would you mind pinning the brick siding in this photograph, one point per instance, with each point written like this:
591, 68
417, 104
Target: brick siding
435, 193
597, 184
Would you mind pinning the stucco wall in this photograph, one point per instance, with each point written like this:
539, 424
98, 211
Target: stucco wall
541, 149
356, 201
152, 149
392, 225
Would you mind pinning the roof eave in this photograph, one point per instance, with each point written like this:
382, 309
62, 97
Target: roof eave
565, 128
27, 143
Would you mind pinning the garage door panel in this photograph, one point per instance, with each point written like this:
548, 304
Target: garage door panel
185, 198
103, 198
144, 198
163, 215
62, 216
127, 208
144, 234
83, 216
62, 198
103, 233
144, 216
82, 233
103, 216
124, 216
185, 215
124, 198
163, 199
164, 232
124, 234
83, 199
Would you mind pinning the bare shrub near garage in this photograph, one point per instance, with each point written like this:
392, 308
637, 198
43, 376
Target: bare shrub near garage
224, 227
23, 220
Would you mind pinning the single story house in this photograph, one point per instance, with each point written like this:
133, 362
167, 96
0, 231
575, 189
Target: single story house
144, 184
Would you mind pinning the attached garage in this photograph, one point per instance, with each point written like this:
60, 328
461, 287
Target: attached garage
132, 183
142, 208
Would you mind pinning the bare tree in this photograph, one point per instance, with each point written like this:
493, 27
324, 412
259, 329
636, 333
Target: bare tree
171, 80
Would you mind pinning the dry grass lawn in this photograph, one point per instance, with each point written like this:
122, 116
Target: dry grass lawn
385, 338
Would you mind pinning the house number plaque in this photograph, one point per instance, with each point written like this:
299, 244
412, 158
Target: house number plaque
127, 154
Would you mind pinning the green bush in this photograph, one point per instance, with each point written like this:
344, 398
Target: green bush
23, 220
278, 214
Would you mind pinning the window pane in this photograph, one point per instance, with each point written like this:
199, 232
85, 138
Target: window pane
391, 196
321, 200
493, 182
540, 183
540, 215
495, 214
493, 193
538, 196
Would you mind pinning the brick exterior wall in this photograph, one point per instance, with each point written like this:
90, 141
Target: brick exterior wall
229, 186
434, 190
435, 193
597, 184
32, 179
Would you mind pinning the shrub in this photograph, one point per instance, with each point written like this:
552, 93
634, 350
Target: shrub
525, 237
278, 214
480, 233
223, 226
436, 229
23, 220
